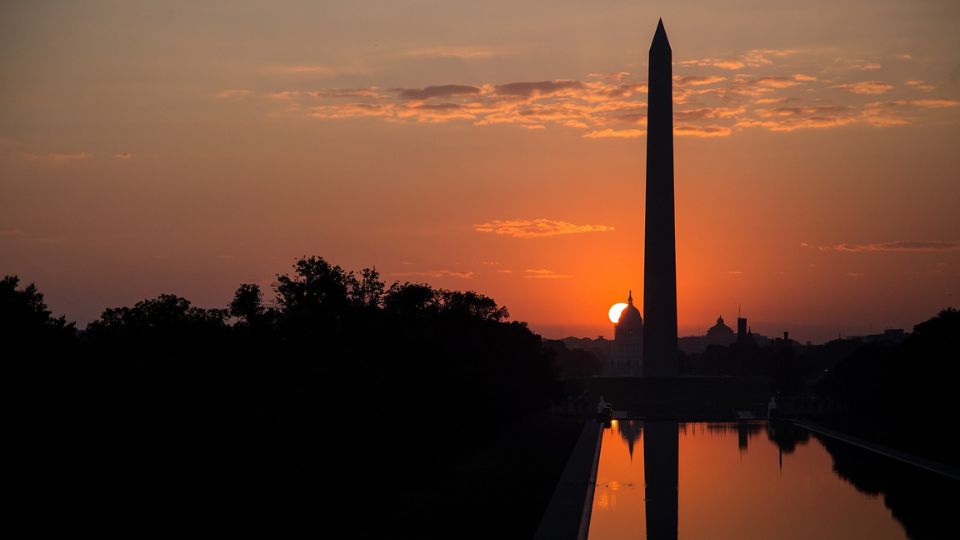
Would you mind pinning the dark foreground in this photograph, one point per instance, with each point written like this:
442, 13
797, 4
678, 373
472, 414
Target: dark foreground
348, 406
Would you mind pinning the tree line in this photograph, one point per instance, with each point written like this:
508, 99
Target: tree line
342, 382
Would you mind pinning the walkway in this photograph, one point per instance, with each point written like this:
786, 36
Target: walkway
568, 515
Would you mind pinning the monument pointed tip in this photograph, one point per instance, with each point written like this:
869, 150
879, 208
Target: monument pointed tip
660, 37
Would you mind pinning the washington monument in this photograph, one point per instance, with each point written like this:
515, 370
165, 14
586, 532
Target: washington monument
660, 250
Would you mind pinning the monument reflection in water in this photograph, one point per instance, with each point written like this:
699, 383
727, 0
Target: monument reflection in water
737, 480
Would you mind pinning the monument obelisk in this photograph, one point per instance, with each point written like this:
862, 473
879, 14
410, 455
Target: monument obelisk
660, 250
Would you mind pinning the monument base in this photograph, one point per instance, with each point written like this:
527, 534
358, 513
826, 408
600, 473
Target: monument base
684, 398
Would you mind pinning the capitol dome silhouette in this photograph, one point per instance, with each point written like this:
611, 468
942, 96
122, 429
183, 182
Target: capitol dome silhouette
627, 355
630, 319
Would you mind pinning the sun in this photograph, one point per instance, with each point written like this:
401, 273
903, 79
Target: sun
615, 311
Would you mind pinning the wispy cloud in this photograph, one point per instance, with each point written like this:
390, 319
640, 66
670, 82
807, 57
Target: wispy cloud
58, 157
731, 64
695, 80
866, 87
347, 93
437, 274
615, 134
316, 71
900, 246
772, 89
234, 94
701, 131
442, 91
536, 228
460, 53
925, 103
123, 155
543, 273
921, 85
753, 58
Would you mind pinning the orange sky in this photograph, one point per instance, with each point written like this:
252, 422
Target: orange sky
496, 146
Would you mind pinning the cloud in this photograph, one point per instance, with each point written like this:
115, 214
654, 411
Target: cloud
536, 228
901, 247
731, 65
752, 58
775, 101
792, 118
890, 113
932, 103
921, 85
312, 70
234, 94
442, 91
436, 274
543, 273
123, 155
702, 131
285, 95
694, 80
59, 157
460, 53
353, 110
541, 88
615, 76
615, 134
317, 71
767, 92
866, 87
327, 93
708, 113
776, 82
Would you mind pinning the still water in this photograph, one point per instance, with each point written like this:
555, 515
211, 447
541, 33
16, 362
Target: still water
659, 479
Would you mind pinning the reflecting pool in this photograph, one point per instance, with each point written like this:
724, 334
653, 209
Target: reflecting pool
667, 480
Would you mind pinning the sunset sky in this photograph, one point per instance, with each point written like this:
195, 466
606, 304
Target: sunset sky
188, 147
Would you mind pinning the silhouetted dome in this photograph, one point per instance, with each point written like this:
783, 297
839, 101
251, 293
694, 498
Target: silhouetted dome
630, 316
720, 334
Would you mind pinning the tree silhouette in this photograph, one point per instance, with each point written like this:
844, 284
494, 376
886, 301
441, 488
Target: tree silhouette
314, 391
247, 304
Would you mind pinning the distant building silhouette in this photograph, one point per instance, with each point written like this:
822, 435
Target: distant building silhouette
743, 332
661, 357
890, 336
721, 334
627, 356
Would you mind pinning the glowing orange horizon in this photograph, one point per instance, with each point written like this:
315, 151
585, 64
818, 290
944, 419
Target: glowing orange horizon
494, 163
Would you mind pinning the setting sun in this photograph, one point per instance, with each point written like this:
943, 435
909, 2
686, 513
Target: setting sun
615, 311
